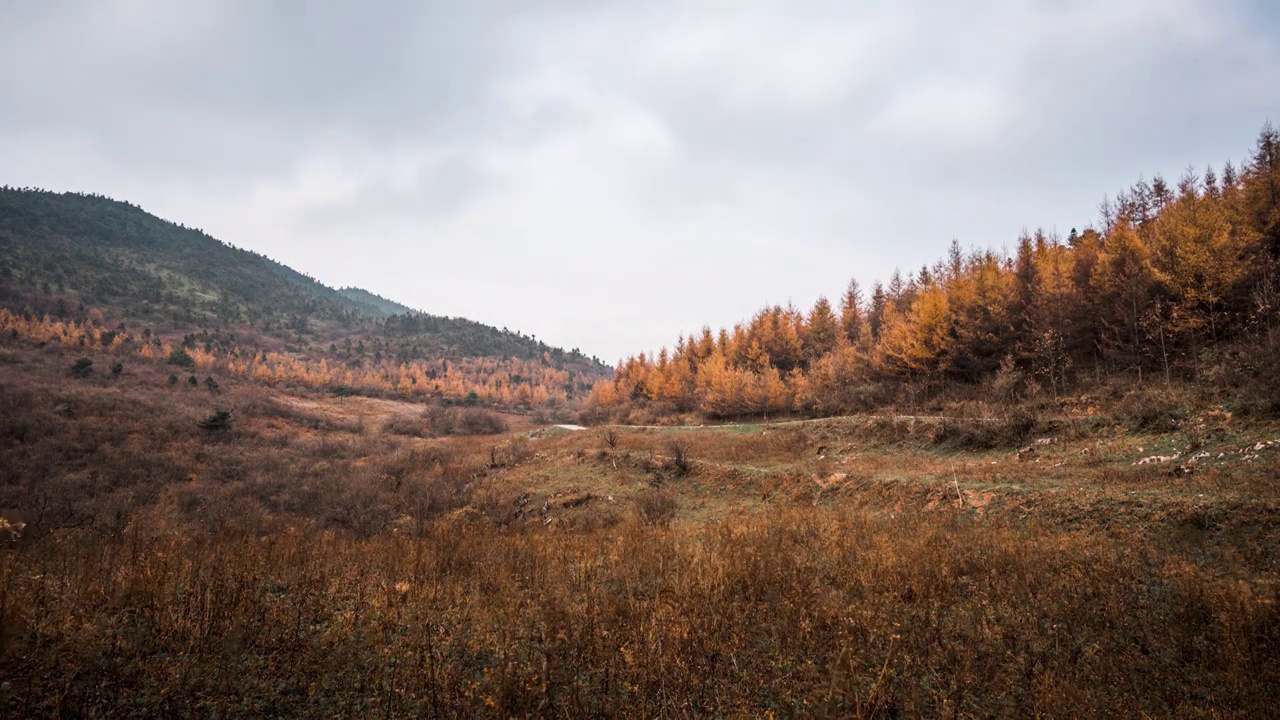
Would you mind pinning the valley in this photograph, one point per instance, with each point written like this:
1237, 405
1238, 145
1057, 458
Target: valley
332, 555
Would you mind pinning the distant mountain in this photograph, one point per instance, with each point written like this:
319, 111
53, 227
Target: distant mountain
62, 252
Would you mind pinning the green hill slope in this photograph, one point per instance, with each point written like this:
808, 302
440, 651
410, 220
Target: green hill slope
381, 304
113, 254
60, 252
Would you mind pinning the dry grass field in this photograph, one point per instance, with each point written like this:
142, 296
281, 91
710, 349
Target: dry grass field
314, 556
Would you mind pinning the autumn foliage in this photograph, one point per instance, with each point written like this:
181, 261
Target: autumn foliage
1175, 284
508, 382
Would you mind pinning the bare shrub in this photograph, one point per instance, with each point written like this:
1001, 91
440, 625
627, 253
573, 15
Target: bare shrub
1009, 382
367, 503
656, 507
510, 453
499, 505
681, 463
440, 420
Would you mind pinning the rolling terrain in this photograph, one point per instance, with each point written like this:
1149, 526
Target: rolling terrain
319, 555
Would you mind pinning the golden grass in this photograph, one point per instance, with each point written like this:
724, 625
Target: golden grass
308, 564
809, 612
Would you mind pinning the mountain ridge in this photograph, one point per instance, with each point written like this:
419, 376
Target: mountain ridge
109, 253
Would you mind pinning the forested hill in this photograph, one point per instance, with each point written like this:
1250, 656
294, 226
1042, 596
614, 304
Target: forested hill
111, 254
1176, 283
60, 252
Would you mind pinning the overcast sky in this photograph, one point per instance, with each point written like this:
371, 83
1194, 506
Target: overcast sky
608, 175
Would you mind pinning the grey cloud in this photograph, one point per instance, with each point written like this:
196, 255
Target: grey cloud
664, 164
258, 80
429, 191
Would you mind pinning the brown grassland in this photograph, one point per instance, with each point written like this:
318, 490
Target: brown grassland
317, 556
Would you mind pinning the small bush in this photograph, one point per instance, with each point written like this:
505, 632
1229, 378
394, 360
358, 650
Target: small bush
219, 421
82, 368
511, 453
1143, 410
463, 421
680, 461
656, 507
180, 358
408, 426
1009, 382
481, 422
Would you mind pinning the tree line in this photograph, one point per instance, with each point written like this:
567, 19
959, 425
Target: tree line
1175, 283
507, 382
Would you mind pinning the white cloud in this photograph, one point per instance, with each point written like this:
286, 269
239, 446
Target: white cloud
948, 110
785, 55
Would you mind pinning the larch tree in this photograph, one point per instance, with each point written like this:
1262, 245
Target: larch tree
1262, 197
981, 299
823, 329
1123, 281
915, 342
876, 312
852, 321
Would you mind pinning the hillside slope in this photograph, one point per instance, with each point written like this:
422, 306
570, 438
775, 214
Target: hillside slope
383, 305
112, 254
75, 257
